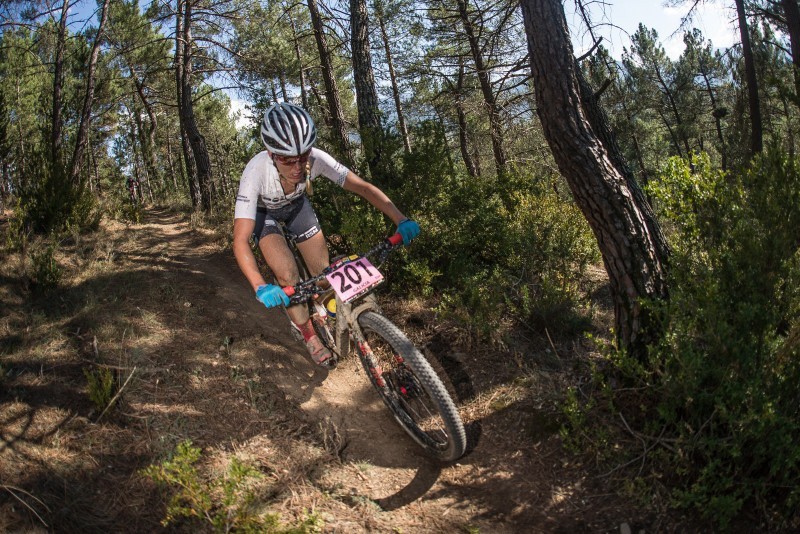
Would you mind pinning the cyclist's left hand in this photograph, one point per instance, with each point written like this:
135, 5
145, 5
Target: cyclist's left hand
408, 229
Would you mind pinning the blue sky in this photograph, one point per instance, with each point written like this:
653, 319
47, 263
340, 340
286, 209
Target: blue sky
618, 19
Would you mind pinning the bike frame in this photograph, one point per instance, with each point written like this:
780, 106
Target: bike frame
347, 313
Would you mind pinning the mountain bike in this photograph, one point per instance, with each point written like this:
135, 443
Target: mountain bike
399, 372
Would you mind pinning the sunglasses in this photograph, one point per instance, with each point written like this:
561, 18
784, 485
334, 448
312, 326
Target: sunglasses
285, 160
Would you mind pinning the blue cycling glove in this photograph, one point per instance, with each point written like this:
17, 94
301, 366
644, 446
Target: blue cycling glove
408, 229
271, 296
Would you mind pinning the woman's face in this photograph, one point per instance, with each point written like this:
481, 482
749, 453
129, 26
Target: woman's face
292, 168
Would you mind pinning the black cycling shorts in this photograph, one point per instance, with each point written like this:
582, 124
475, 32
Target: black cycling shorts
298, 217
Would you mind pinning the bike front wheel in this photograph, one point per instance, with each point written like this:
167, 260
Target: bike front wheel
410, 388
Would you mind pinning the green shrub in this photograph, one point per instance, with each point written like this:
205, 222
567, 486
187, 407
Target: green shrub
509, 249
227, 504
46, 273
495, 249
17, 235
720, 387
132, 212
100, 386
51, 204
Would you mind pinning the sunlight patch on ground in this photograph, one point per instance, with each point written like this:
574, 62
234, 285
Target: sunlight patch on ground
165, 409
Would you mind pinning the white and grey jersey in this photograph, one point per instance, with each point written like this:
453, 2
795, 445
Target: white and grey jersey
261, 183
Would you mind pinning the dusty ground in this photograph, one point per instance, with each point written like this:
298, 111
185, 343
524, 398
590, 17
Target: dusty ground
164, 306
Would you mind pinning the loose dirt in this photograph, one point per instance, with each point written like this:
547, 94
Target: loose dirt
164, 306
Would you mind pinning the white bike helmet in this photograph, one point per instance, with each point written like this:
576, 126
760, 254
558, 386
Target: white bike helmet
288, 130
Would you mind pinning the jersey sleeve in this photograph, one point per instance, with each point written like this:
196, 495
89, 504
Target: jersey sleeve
247, 197
326, 165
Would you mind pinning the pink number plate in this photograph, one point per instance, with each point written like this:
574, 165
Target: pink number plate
354, 278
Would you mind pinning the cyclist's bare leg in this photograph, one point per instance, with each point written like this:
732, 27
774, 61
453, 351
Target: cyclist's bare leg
315, 253
281, 262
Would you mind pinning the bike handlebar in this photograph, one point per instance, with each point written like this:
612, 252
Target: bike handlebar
303, 290
395, 239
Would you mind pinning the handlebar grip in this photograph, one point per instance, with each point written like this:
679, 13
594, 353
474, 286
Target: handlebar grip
396, 239
289, 290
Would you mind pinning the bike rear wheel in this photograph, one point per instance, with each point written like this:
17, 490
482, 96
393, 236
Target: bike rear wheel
410, 388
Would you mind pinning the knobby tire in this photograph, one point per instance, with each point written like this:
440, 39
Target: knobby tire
411, 389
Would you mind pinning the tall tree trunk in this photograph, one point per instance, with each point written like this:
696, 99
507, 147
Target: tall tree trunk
86, 114
756, 126
149, 142
331, 90
274, 91
171, 164
369, 120
717, 116
282, 83
96, 185
192, 182
791, 11
674, 108
58, 88
299, 56
398, 105
495, 128
22, 169
447, 150
148, 175
196, 139
463, 139
634, 252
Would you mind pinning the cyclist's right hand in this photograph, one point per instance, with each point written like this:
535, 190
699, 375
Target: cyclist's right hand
271, 296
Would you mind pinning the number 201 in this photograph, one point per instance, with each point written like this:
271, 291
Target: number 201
350, 275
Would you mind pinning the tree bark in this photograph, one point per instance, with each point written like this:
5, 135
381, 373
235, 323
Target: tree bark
297, 53
58, 87
756, 125
192, 182
148, 142
398, 106
791, 11
369, 120
196, 139
495, 128
146, 177
463, 140
679, 125
331, 90
171, 165
633, 249
714, 113
86, 113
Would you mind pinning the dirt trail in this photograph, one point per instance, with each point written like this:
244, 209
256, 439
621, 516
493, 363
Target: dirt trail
323, 435
509, 481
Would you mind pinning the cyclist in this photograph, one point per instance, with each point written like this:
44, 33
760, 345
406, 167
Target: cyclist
133, 186
272, 190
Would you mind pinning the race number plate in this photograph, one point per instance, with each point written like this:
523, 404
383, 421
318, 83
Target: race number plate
354, 278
